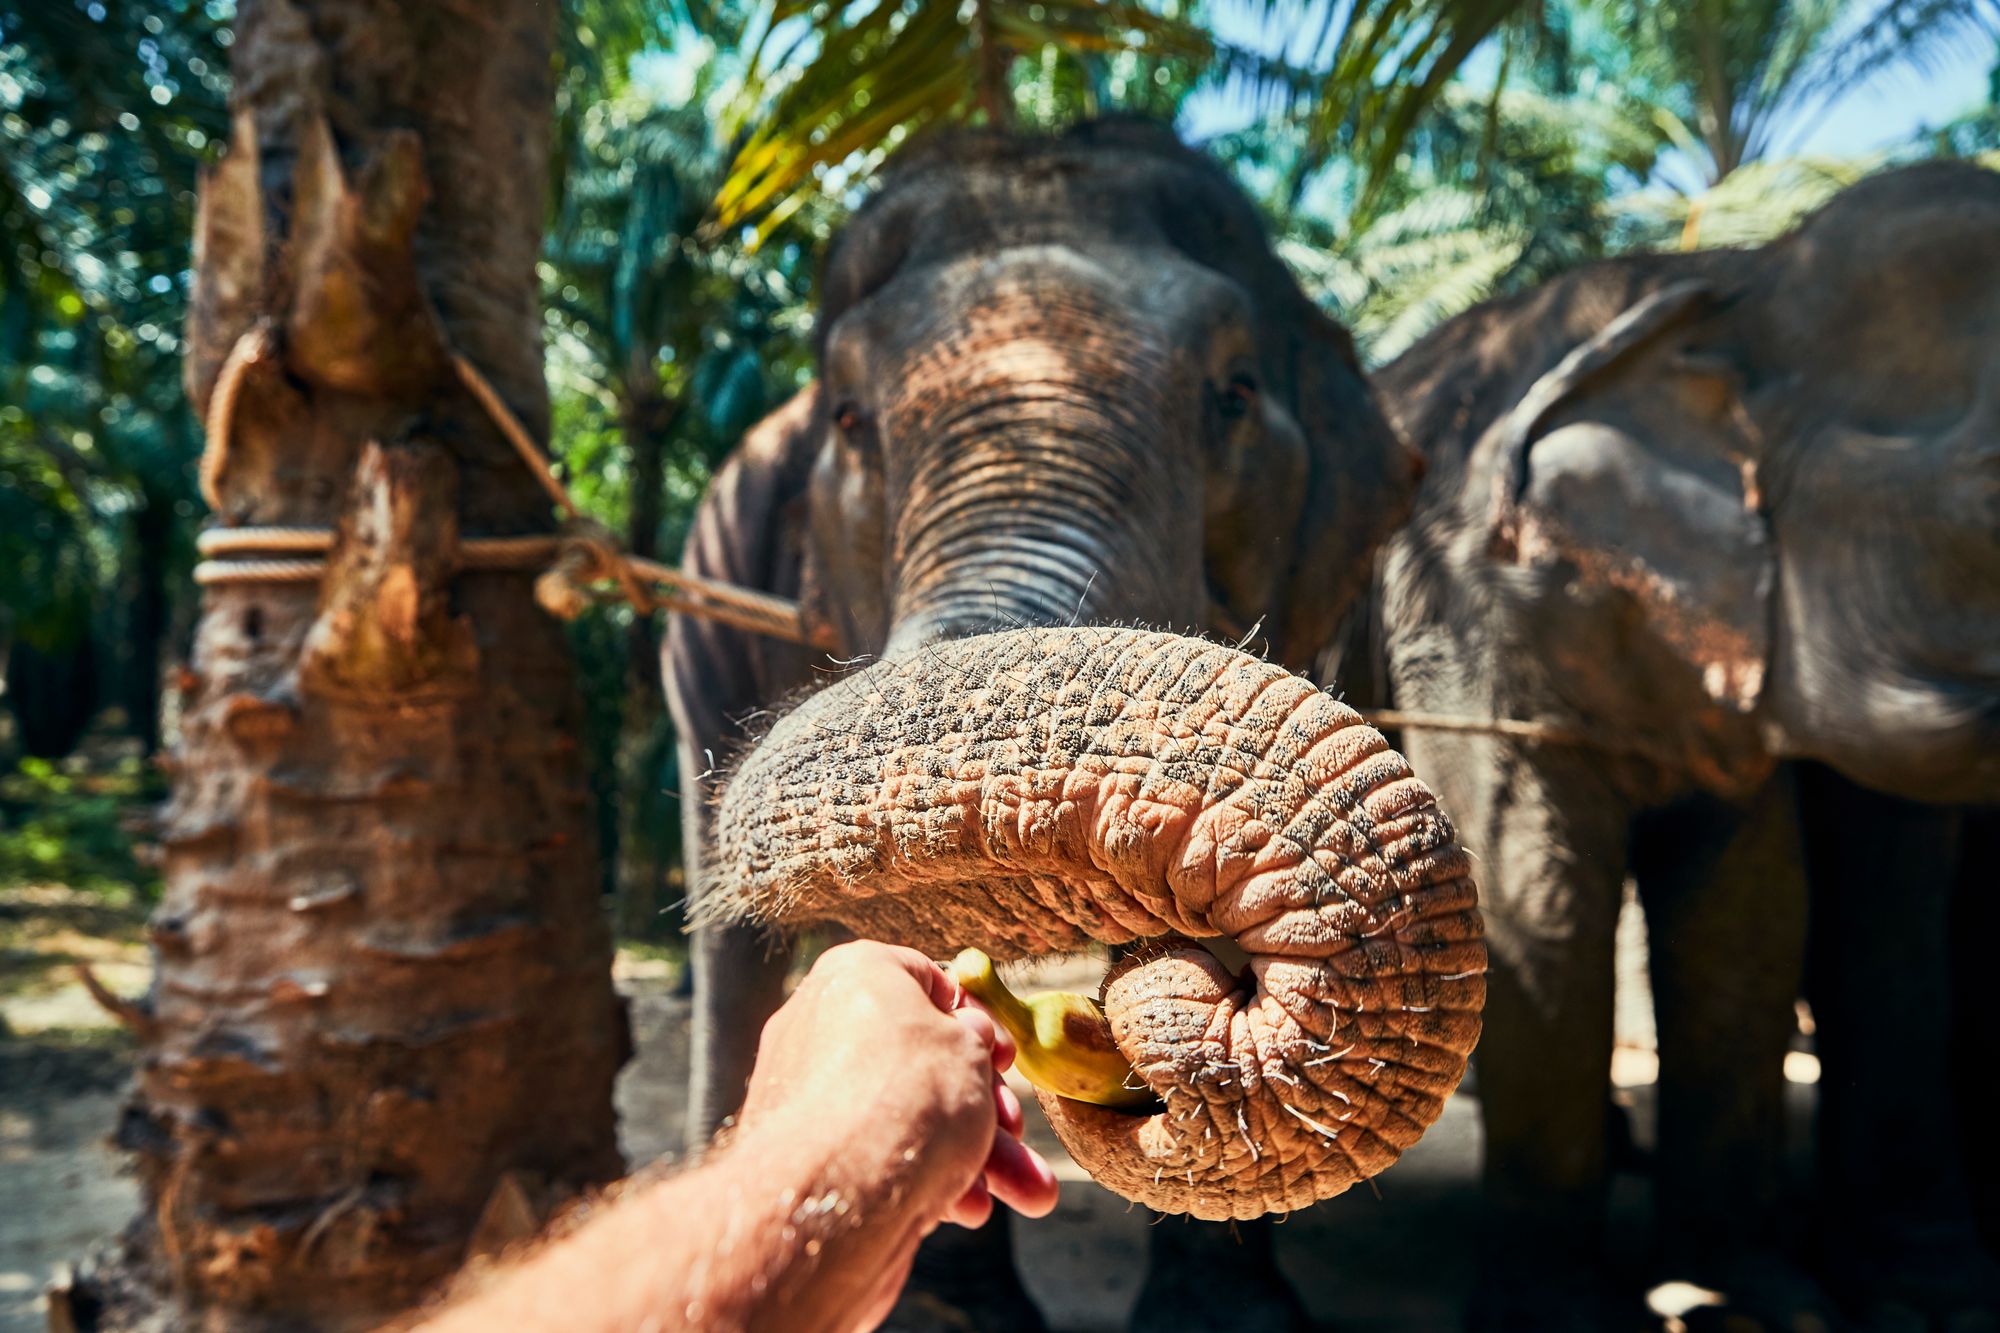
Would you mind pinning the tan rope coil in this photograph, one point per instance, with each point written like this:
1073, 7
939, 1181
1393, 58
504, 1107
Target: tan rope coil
252, 347
584, 553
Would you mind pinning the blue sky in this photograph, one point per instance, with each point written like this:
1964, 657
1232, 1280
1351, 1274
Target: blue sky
1898, 103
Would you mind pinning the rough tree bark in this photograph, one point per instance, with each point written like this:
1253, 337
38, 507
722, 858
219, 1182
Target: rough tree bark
382, 1017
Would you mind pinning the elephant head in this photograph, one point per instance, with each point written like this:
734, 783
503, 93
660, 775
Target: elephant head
1781, 470
1066, 383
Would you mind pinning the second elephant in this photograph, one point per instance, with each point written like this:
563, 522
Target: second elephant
1726, 527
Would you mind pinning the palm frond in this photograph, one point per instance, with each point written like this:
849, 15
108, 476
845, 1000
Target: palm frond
864, 74
1757, 202
1918, 34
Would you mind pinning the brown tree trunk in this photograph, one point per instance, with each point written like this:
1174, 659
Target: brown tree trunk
147, 617
382, 1008
644, 742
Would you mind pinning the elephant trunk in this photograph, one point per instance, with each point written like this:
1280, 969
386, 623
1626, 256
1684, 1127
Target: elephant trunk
1044, 494
1035, 789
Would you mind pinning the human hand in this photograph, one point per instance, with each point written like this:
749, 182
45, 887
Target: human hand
880, 1067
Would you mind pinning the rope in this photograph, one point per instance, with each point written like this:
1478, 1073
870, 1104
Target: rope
1391, 719
582, 555
251, 348
1535, 733
244, 555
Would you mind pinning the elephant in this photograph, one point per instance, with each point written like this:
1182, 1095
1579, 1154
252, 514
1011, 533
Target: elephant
1703, 586
1065, 388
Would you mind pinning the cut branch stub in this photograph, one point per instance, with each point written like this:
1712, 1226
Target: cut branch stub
359, 320
385, 627
228, 291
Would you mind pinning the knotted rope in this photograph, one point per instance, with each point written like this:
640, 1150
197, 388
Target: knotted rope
582, 555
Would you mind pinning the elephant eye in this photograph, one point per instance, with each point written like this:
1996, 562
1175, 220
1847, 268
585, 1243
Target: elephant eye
849, 417
1238, 397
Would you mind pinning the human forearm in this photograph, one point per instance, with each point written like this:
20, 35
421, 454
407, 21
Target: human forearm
842, 1162
765, 1235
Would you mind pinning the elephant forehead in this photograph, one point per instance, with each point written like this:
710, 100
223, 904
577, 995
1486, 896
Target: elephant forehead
1061, 304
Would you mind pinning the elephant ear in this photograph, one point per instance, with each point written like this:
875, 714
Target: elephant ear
1637, 328
1630, 462
1315, 530
1361, 481
750, 531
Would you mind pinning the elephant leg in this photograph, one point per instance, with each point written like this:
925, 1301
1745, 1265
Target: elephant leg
1723, 887
1898, 1237
739, 982
1548, 835
1216, 1275
1975, 1048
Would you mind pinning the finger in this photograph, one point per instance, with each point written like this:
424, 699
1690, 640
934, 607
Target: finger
973, 1209
1020, 1177
1007, 1106
981, 1024
1003, 1041
937, 983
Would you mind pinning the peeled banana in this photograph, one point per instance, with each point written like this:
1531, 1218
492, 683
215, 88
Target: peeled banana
1062, 1043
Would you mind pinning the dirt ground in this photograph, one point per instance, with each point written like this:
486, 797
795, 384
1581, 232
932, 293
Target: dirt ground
1398, 1258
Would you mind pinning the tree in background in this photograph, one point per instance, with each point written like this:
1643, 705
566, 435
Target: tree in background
1600, 128
665, 347
1497, 190
381, 1022
1727, 86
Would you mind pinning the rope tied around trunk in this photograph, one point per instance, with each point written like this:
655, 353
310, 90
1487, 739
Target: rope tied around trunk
571, 564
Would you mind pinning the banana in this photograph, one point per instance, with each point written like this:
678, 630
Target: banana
1062, 1043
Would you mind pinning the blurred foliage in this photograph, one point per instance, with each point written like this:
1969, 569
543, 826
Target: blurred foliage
1722, 83
68, 823
664, 349
641, 312
833, 86
1500, 189
1601, 127
1976, 134
1752, 204
107, 109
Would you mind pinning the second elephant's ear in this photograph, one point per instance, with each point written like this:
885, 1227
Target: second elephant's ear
1638, 327
1632, 465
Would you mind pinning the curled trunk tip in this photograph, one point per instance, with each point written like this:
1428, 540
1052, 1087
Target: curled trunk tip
1036, 790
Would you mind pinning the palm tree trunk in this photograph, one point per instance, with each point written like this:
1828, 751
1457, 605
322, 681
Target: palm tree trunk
644, 743
993, 95
148, 614
382, 1008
